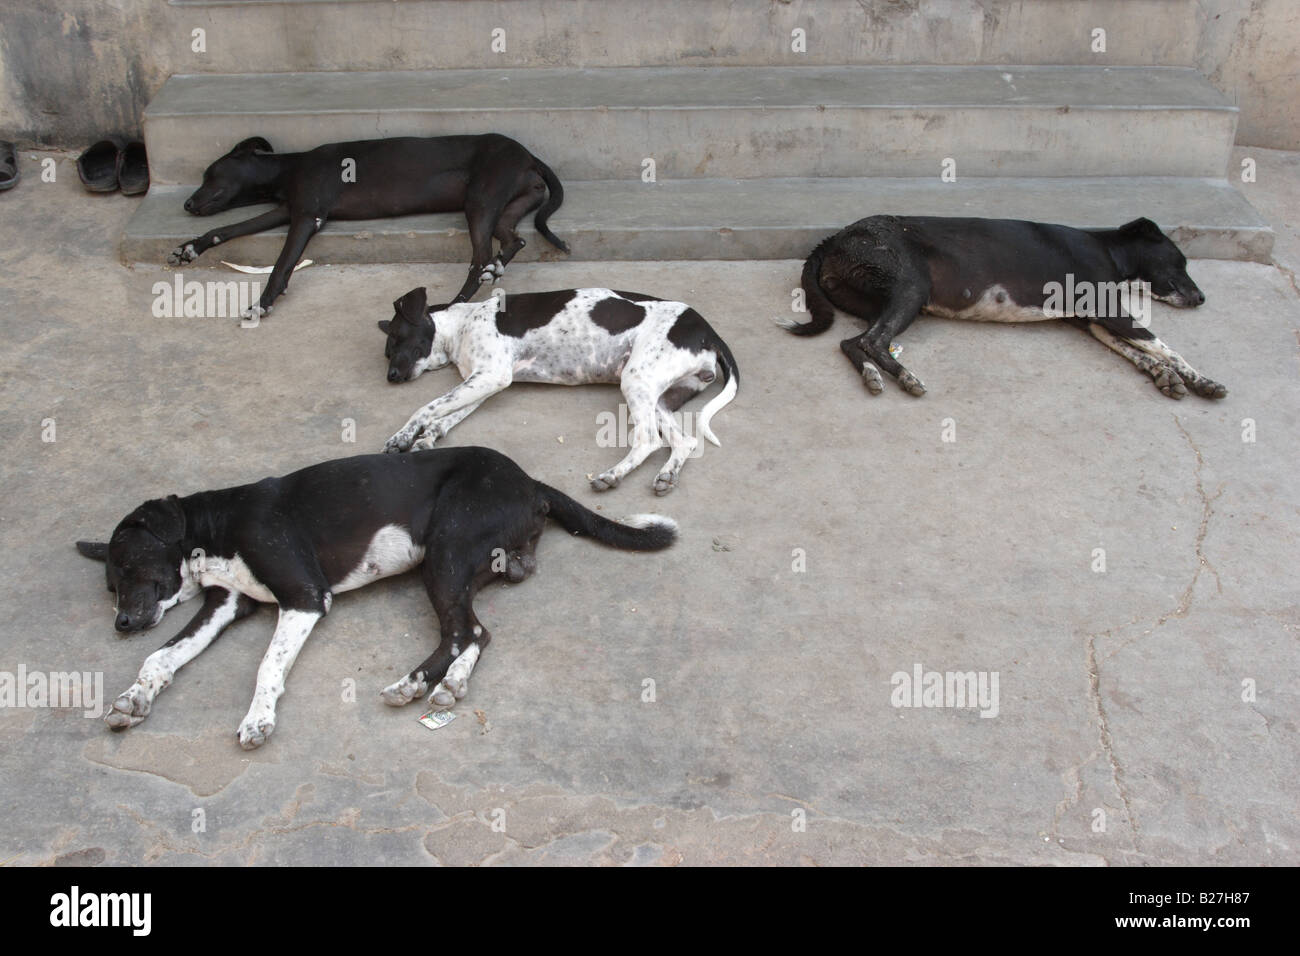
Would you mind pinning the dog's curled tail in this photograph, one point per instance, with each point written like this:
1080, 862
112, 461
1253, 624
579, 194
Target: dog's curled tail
554, 196
633, 533
730, 385
823, 313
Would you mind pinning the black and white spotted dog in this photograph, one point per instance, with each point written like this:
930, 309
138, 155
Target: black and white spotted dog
464, 516
889, 269
659, 352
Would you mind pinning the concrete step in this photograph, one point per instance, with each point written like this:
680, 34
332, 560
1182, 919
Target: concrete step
730, 122
304, 35
736, 219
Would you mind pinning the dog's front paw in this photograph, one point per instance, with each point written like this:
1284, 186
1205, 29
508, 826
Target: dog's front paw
1170, 382
1206, 388
182, 254
254, 731
130, 708
664, 483
871, 378
404, 691
493, 271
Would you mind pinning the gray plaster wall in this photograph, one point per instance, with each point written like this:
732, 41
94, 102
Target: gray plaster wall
71, 72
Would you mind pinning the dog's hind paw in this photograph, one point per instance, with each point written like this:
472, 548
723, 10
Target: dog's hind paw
253, 733
871, 378
911, 383
449, 690
182, 254
255, 313
402, 692
1170, 382
604, 482
129, 709
400, 442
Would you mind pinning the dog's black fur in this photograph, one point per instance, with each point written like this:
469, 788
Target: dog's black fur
474, 514
889, 269
492, 178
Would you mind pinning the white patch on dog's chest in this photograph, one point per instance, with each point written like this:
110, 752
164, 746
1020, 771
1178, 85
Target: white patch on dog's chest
391, 551
994, 305
232, 574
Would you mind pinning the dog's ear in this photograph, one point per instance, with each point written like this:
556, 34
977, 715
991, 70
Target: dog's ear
1141, 229
413, 306
252, 144
162, 517
384, 325
95, 550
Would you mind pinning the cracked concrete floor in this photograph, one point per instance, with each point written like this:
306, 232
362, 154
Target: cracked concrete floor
1120, 693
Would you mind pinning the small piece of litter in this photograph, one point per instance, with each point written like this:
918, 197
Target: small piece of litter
435, 719
262, 270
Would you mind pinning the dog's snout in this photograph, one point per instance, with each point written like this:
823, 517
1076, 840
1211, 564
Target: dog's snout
394, 375
1197, 297
123, 622
189, 204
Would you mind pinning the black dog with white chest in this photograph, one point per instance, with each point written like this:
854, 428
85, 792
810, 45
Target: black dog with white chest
465, 516
494, 179
889, 269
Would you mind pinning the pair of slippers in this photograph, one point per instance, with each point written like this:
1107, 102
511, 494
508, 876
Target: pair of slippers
113, 164
8, 166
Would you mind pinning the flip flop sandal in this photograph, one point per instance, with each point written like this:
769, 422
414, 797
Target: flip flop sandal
97, 166
133, 170
9, 174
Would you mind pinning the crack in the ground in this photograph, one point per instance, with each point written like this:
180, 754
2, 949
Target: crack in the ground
1185, 599
1107, 742
1180, 609
1291, 276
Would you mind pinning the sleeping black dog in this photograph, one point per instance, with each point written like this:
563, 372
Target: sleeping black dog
464, 516
494, 179
889, 269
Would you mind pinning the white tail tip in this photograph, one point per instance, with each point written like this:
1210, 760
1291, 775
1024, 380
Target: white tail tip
648, 521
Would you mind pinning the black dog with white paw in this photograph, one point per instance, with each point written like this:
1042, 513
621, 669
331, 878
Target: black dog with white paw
464, 516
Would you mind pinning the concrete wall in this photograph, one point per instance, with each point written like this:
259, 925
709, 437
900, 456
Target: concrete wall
1249, 49
73, 72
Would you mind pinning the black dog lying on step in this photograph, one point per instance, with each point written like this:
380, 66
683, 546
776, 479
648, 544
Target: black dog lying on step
889, 269
492, 178
465, 516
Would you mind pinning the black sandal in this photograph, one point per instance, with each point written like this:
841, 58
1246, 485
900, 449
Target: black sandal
97, 166
133, 170
9, 174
